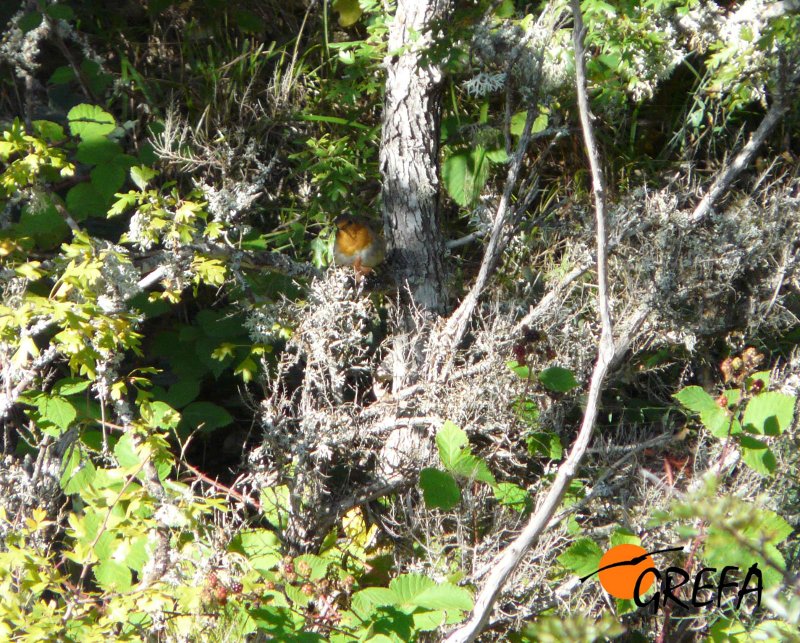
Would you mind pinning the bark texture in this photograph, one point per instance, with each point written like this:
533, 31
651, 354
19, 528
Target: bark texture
409, 156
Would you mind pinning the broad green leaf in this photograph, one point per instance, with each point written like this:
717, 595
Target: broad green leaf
472, 467
349, 12
141, 175
113, 576
408, 587
757, 455
582, 557
521, 371
70, 386
365, 601
716, 419
51, 132
512, 496
89, 121
98, 150
260, 546
56, 410
444, 596
450, 440
125, 451
205, 416
85, 200
769, 413
557, 379
439, 489
464, 175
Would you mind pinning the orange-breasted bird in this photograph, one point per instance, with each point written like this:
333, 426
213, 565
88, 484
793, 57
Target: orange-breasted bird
358, 244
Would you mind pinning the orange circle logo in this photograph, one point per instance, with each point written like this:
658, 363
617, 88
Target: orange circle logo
620, 568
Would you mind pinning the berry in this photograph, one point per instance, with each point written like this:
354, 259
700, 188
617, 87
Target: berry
307, 589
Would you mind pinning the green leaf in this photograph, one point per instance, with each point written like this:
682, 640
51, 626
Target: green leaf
78, 472
472, 468
439, 489
582, 557
512, 496
62, 75
70, 386
769, 413
125, 451
557, 379
716, 419
205, 416
51, 132
60, 12
56, 410
260, 546
113, 576
757, 455
464, 175
407, 587
160, 415
349, 12
445, 596
107, 179
182, 392
523, 372
141, 175
85, 200
450, 440
365, 601
30, 21
98, 150
46, 226
89, 121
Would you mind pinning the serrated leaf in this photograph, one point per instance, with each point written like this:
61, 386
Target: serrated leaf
205, 416
51, 132
582, 557
70, 386
557, 379
89, 121
62, 75
125, 451
85, 200
56, 410
439, 489
450, 440
512, 496
520, 370
464, 175
757, 455
769, 413
716, 419
408, 586
113, 576
98, 150
260, 546
444, 596
472, 467
141, 175
365, 601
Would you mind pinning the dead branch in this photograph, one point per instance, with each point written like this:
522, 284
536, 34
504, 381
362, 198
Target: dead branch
509, 559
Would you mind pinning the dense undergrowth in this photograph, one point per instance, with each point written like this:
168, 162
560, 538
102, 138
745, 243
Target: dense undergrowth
193, 402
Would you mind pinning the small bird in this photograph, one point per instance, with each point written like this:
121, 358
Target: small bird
358, 244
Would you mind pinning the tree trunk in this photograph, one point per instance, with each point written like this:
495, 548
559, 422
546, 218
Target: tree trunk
409, 155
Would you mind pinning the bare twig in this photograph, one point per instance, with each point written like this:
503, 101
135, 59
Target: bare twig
731, 171
509, 559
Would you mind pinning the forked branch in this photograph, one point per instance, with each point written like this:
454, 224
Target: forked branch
509, 559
